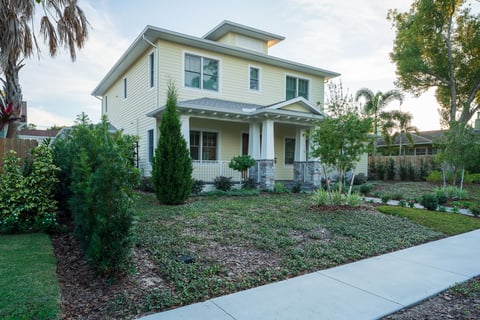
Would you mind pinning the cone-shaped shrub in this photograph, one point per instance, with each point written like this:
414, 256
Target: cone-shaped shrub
172, 165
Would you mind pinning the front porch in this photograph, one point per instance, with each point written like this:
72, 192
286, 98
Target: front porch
275, 136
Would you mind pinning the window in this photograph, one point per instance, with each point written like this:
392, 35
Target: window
203, 145
124, 88
201, 72
289, 150
151, 69
150, 145
105, 101
254, 78
296, 87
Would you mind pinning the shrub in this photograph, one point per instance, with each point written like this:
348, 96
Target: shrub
354, 200
385, 198
338, 198
360, 179
366, 188
146, 184
321, 197
103, 182
429, 201
455, 192
223, 183
64, 153
280, 188
197, 186
403, 170
402, 203
26, 200
441, 196
172, 164
372, 169
424, 169
396, 196
434, 177
390, 169
380, 170
249, 184
411, 171
475, 208
297, 188
411, 202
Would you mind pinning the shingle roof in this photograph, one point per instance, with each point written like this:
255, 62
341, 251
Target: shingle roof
219, 104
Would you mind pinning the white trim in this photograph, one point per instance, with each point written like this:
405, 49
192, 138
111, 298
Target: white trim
202, 56
259, 90
202, 130
297, 76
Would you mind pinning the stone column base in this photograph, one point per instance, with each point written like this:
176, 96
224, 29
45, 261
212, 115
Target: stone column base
264, 173
308, 172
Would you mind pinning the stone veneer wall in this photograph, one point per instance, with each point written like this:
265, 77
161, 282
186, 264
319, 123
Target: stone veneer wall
308, 172
264, 172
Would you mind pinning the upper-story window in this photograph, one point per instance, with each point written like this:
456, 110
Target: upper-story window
201, 72
124, 88
105, 102
254, 78
296, 87
151, 69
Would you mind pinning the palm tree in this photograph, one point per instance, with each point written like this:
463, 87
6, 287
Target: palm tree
404, 126
18, 41
375, 102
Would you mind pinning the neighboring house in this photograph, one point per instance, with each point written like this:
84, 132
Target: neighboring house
39, 135
233, 98
423, 144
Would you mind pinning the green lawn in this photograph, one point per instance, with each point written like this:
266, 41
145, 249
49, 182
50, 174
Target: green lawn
447, 223
243, 242
28, 284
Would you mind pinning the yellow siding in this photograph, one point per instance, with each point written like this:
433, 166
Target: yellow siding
296, 107
229, 39
282, 171
233, 78
229, 135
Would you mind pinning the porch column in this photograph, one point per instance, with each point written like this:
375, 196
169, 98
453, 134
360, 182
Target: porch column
254, 140
185, 128
268, 149
300, 145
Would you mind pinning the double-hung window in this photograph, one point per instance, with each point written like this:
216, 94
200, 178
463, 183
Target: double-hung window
150, 145
203, 145
296, 87
124, 88
201, 72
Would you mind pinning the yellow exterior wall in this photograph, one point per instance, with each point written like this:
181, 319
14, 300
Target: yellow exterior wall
282, 171
233, 78
296, 107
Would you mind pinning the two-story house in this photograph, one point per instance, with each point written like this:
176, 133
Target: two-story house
233, 98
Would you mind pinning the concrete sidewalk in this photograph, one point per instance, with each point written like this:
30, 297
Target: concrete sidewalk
367, 289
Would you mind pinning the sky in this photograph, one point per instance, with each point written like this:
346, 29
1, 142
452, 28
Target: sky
353, 38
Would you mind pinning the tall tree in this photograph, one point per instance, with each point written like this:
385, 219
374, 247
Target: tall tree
172, 164
374, 103
437, 45
62, 23
404, 126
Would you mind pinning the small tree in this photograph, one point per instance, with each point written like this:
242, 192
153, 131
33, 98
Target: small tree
340, 142
242, 164
172, 165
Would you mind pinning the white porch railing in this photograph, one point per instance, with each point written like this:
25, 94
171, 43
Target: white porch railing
208, 170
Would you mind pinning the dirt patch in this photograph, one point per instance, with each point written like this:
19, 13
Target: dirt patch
85, 295
447, 305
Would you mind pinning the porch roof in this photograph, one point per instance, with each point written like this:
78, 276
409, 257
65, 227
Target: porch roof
246, 112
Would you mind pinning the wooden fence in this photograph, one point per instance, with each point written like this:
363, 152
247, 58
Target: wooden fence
21, 146
420, 163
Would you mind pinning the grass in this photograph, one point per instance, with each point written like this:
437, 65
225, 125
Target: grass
239, 243
28, 284
447, 223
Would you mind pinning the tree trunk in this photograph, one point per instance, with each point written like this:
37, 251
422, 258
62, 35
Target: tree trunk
351, 182
461, 181
14, 94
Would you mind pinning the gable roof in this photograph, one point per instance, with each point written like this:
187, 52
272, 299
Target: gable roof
237, 111
151, 34
228, 26
422, 138
38, 133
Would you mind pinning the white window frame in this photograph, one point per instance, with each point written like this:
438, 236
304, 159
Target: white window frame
200, 151
297, 77
259, 78
202, 56
285, 164
151, 70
